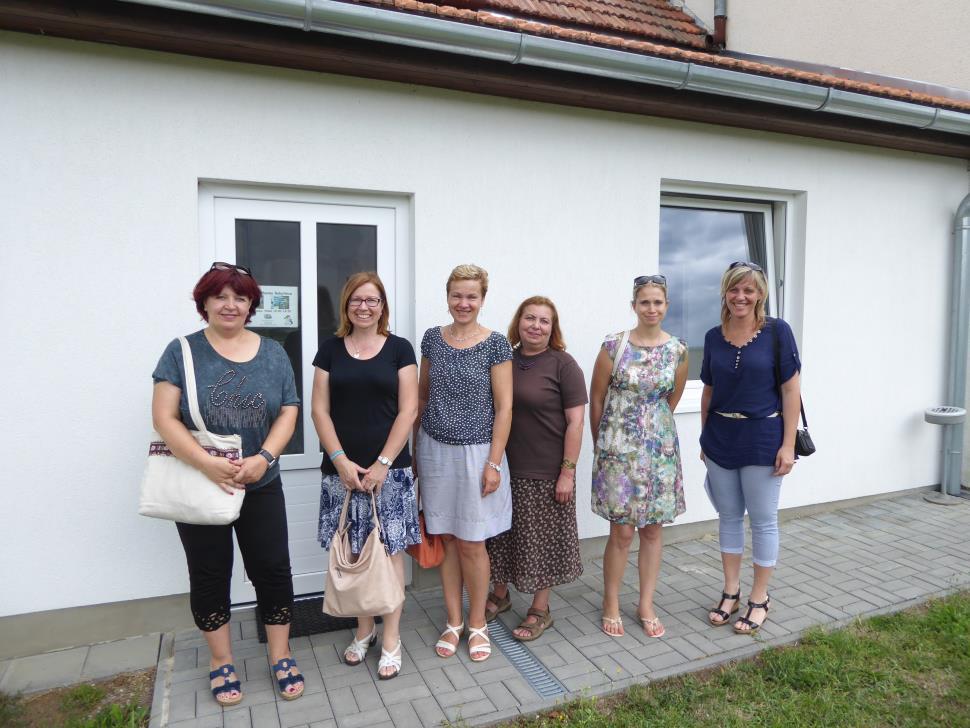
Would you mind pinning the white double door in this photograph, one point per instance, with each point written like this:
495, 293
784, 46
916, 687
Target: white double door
301, 249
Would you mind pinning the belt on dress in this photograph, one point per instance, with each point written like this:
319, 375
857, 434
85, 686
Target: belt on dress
740, 416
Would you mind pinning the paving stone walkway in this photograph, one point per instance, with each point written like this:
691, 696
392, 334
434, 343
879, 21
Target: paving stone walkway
834, 567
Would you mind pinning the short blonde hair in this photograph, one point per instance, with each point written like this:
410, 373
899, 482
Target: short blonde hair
468, 272
731, 278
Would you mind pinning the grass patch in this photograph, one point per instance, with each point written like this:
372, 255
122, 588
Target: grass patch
122, 701
907, 669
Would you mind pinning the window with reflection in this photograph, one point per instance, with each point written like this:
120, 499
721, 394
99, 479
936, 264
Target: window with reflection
699, 239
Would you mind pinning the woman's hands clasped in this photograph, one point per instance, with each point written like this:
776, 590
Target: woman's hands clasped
223, 472
374, 478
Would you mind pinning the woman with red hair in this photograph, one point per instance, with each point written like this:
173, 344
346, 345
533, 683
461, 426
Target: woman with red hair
245, 386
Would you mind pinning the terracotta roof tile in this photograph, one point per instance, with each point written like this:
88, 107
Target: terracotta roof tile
649, 27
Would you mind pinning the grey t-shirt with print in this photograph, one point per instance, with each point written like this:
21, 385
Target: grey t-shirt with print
235, 398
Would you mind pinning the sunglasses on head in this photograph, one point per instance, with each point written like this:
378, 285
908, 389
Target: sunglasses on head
746, 264
644, 280
219, 265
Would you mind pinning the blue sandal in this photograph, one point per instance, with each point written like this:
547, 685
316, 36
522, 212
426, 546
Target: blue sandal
227, 687
285, 665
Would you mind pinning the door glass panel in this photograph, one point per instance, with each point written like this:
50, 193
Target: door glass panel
342, 250
696, 246
271, 250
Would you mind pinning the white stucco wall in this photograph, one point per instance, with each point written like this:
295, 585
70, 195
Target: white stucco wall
101, 151
923, 41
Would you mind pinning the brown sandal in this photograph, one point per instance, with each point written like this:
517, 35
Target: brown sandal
501, 605
545, 621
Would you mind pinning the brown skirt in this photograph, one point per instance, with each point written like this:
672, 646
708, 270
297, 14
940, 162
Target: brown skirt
541, 549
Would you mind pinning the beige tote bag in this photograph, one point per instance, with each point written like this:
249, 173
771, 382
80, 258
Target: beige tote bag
367, 587
175, 491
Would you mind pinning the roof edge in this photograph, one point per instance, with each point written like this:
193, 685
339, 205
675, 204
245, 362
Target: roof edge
466, 38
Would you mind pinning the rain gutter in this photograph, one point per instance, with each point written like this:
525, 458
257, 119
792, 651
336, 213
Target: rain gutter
448, 36
959, 330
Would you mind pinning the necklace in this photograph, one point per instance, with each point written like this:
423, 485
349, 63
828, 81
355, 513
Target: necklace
356, 353
533, 358
462, 339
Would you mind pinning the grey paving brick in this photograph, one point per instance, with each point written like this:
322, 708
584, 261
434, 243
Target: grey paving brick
459, 676
367, 718
467, 711
492, 718
458, 697
186, 659
367, 697
209, 721
428, 710
610, 667
182, 709
265, 716
665, 660
304, 710
489, 677
342, 702
237, 719
501, 697
584, 682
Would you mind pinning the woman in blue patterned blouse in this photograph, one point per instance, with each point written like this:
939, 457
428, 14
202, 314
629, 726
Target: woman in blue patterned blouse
465, 395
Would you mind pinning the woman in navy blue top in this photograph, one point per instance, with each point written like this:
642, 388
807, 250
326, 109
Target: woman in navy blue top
748, 421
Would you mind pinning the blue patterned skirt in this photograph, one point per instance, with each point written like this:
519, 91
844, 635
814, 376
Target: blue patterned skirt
396, 509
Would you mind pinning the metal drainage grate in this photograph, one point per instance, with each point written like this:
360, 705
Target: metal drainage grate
534, 672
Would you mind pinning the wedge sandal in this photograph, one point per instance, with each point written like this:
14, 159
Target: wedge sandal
753, 626
224, 671
719, 609
285, 665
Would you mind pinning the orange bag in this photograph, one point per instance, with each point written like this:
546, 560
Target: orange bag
431, 551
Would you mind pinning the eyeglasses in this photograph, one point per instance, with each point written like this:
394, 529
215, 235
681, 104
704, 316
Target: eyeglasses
644, 280
746, 264
219, 265
370, 302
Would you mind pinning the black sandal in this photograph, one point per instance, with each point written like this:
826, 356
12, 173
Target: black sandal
753, 626
725, 616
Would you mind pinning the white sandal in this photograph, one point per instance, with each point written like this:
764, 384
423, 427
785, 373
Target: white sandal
390, 659
485, 649
358, 648
441, 644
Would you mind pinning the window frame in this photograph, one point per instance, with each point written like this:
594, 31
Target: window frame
775, 206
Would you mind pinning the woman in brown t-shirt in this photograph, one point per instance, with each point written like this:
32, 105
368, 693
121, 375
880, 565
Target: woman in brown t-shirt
541, 550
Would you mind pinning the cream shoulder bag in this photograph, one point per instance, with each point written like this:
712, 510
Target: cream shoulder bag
367, 587
174, 490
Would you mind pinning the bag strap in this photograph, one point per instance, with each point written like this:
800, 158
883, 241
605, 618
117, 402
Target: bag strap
342, 523
190, 392
619, 353
801, 402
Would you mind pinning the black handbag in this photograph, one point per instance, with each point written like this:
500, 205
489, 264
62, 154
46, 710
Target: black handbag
804, 445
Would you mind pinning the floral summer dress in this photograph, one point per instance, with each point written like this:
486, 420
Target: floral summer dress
637, 478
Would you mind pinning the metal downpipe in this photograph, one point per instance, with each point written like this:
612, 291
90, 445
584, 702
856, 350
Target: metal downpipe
959, 324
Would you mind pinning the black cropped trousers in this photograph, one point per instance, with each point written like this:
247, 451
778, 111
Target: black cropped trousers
262, 535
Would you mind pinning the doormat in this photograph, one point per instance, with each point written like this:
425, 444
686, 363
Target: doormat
308, 618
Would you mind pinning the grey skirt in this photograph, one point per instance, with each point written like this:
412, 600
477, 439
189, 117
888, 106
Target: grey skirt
451, 490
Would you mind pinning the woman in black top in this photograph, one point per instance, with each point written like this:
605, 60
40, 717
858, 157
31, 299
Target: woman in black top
365, 400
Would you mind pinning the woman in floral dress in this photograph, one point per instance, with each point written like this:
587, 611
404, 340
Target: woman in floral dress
637, 480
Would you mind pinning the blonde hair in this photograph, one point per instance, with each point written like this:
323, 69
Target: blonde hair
555, 336
731, 278
353, 283
468, 272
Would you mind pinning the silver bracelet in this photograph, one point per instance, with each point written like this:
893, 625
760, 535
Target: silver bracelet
493, 466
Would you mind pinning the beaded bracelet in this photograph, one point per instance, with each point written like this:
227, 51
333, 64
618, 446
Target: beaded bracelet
336, 454
493, 466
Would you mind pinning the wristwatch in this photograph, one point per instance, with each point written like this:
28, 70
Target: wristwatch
384, 461
270, 458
